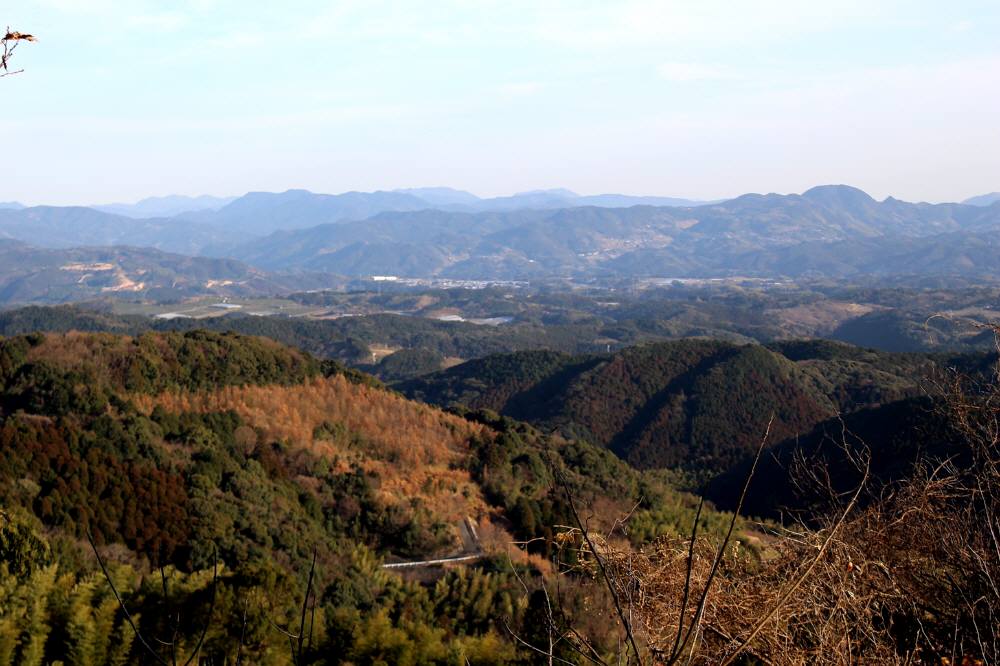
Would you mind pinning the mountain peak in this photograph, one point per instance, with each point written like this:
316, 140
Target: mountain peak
983, 199
440, 195
838, 194
165, 206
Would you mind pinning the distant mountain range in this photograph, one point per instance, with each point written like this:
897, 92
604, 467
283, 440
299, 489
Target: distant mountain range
264, 212
442, 196
562, 198
32, 275
828, 231
73, 226
835, 231
983, 199
196, 224
261, 213
167, 206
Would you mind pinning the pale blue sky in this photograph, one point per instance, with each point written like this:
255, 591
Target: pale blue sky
126, 99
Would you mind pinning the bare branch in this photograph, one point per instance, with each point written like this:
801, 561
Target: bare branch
600, 563
808, 570
9, 43
722, 547
211, 608
128, 616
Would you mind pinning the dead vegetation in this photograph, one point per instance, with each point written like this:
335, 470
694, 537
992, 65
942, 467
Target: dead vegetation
910, 577
11, 40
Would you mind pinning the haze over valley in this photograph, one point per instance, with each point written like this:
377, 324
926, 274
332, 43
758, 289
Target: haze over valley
831, 231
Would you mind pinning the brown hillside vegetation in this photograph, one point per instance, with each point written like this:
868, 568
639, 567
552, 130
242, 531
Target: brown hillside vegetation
416, 450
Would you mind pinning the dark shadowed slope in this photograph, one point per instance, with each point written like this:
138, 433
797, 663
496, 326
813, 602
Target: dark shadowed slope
694, 404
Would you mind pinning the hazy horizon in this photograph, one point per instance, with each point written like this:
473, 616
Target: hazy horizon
118, 103
681, 195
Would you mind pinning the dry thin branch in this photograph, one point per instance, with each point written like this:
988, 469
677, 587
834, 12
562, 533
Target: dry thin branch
600, 563
808, 570
722, 548
211, 608
10, 42
531, 647
128, 616
305, 603
243, 631
175, 629
687, 576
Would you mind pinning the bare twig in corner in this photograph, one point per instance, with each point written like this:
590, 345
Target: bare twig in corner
10, 42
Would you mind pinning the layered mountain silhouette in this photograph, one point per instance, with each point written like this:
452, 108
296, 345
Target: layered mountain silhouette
983, 199
167, 206
74, 226
828, 231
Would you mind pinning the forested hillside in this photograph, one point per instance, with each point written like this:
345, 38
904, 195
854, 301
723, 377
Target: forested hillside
697, 405
399, 335
234, 491
188, 453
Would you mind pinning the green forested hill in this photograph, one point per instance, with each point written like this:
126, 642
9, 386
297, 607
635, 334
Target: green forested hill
415, 343
695, 404
190, 450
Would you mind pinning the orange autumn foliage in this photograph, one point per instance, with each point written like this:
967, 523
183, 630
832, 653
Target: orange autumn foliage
417, 451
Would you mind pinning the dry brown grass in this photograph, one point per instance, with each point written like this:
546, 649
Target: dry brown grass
830, 618
820, 318
911, 578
